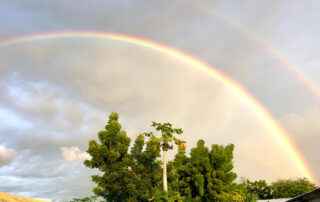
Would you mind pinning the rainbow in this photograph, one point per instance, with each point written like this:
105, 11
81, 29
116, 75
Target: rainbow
287, 64
281, 135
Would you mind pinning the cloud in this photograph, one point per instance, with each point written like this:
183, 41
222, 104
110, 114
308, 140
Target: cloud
72, 154
49, 174
67, 102
6, 155
57, 93
304, 128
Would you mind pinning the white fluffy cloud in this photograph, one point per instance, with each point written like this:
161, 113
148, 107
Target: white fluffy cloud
72, 154
6, 155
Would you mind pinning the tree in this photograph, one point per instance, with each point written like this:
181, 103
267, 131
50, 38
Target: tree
86, 199
176, 178
136, 175
221, 161
241, 191
258, 188
167, 140
289, 188
199, 173
206, 175
111, 157
146, 167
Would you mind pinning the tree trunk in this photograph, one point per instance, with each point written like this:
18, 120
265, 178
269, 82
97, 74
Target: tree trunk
165, 185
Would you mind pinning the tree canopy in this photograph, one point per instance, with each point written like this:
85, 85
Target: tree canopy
258, 188
110, 156
136, 173
282, 188
167, 140
288, 188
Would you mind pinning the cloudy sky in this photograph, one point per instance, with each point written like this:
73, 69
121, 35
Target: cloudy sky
56, 94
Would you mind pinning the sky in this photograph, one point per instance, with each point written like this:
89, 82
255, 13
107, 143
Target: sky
56, 94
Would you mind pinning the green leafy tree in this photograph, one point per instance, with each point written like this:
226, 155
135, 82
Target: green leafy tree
136, 175
167, 140
110, 156
241, 191
146, 167
199, 173
221, 161
176, 178
206, 175
86, 199
289, 188
259, 188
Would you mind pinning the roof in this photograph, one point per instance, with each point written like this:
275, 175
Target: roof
314, 194
274, 200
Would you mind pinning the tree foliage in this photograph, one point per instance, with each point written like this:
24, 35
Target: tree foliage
258, 188
241, 192
86, 199
110, 156
288, 188
282, 188
205, 174
167, 140
134, 176
145, 167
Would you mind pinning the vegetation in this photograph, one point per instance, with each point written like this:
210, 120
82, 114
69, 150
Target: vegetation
138, 174
260, 189
282, 188
86, 199
205, 176
291, 187
111, 157
167, 139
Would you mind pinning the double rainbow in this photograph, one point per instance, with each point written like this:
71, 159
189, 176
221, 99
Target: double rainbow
288, 65
281, 135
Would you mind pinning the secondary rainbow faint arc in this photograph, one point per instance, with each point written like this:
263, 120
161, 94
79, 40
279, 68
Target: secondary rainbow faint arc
287, 64
277, 130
